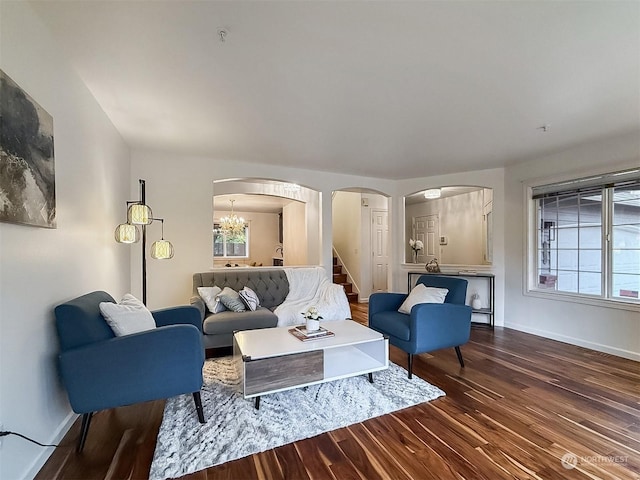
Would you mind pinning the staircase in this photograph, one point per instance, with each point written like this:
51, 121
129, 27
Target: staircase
341, 279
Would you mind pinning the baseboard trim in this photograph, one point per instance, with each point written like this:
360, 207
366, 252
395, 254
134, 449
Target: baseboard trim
59, 434
618, 352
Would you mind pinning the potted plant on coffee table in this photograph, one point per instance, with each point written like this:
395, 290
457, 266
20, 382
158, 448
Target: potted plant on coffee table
312, 316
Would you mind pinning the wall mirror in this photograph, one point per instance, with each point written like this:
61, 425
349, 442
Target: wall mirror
454, 224
280, 223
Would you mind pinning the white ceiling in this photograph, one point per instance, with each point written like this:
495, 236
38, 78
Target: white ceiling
386, 89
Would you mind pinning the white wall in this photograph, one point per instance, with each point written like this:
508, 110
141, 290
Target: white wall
611, 330
40, 268
180, 190
294, 234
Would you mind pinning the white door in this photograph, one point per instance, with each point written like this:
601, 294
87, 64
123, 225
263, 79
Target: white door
379, 249
427, 229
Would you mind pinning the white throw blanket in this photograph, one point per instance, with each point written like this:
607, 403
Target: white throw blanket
309, 287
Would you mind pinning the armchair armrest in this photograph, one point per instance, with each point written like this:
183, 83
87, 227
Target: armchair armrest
439, 325
197, 302
158, 363
383, 302
184, 314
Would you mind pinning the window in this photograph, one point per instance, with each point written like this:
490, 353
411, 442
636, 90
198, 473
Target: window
625, 239
230, 245
588, 237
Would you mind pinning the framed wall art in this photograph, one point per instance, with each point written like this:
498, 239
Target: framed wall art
27, 169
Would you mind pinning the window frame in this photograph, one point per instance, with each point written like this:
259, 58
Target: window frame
531, 257
247, 229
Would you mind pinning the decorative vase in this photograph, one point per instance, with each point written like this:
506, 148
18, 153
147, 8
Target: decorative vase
476, 304
415, 256
313, 325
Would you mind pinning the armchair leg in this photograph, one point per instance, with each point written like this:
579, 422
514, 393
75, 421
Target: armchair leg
198, 400
459, 353
410, 367
84, 430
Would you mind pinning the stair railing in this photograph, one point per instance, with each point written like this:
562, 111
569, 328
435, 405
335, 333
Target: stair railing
354, 285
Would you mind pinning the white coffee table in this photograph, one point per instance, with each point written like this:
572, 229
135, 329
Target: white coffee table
271, 360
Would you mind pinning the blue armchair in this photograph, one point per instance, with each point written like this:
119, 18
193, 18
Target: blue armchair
430, 326
101, 371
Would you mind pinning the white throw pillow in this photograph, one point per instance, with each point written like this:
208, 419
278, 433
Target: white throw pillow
127, 317
422, 294
249, 298
209, 296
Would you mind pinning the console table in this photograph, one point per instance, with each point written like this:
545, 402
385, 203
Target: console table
486, 277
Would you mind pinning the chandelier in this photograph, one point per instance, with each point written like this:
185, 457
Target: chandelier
232, 224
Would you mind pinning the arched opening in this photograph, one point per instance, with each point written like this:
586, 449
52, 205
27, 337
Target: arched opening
454, 225
360, 226
282, 223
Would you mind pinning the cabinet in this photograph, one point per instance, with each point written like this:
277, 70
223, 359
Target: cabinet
488, 279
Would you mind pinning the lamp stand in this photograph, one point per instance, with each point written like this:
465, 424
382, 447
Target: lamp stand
140, 214
144, 245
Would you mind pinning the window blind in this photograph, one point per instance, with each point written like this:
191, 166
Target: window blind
630, 178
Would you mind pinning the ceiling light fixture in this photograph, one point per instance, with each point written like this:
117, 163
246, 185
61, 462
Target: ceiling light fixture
432, 193
232, 224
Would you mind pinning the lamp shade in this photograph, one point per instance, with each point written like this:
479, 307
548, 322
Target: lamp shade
162, 250
139, 214
432, 193
126, 233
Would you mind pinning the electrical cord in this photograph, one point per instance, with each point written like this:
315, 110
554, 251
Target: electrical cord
4, 434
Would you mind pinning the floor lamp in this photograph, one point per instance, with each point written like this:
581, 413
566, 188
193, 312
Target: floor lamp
140, 214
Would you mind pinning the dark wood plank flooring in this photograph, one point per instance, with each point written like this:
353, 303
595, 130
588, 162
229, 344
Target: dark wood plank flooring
521, 403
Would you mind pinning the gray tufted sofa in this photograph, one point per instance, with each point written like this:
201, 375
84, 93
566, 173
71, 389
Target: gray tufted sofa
271, 286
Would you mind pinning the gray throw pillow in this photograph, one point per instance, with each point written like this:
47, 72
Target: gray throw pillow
232, 302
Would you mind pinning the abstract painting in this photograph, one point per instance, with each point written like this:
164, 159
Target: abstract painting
27, 171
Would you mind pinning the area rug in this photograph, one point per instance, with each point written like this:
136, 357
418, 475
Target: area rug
235, 429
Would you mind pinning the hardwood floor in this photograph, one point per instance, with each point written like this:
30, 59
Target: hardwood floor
520, 405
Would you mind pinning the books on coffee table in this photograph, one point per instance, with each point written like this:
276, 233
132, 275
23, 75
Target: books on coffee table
301, 333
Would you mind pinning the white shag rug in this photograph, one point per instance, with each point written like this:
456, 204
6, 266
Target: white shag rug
235, 429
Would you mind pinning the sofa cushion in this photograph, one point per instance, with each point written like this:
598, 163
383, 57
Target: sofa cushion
226, 322
271, 285
393, 323
249, 298
210, 297
128, 316
423, 294
231, 300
